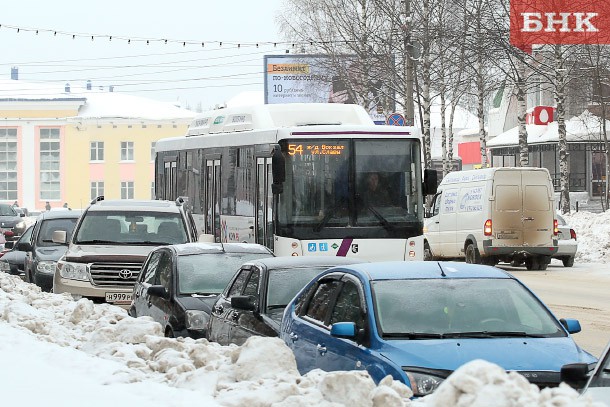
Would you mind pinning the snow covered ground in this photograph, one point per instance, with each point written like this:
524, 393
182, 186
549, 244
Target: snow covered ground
58, 352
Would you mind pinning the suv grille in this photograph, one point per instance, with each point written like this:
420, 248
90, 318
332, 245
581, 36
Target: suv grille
115, 274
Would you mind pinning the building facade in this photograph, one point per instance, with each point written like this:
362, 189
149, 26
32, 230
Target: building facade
66, 145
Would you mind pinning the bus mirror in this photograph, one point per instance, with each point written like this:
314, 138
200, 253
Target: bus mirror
278, 166
430, 182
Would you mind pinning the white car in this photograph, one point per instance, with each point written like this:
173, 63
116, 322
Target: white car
566, 242
597, 384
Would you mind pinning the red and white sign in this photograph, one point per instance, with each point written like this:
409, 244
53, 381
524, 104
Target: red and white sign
559, 22
540, 115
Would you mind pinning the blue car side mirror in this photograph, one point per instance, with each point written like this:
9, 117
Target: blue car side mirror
571, 325
343, 330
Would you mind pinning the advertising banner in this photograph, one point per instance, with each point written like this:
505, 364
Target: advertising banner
310, 79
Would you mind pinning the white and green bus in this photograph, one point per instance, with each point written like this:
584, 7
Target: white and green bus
297, 178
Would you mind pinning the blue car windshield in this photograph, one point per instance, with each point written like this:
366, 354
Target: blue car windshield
450, 307
210, 273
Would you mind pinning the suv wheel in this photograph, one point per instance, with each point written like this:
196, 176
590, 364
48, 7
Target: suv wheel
568, 261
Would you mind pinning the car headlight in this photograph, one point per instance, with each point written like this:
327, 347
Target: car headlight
46, 267
423, 384
197, 320
73, 271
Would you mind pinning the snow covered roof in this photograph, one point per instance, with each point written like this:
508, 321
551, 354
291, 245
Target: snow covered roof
586, 127
96, 104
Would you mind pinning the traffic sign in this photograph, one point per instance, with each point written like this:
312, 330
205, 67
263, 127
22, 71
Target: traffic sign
395, 119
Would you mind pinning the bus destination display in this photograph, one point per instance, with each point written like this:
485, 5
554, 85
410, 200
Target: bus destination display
315, 149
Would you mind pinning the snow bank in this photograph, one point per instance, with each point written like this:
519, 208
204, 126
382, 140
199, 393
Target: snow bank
592, 234
83, 351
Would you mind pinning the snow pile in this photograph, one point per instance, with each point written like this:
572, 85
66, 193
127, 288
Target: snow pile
592, 234
79, 349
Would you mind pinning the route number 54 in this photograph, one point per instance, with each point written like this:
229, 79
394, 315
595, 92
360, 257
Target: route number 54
294, 149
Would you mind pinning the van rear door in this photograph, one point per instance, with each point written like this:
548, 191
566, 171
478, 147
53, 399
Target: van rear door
522, 209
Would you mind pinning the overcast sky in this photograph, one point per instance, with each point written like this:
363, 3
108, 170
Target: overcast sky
190, 74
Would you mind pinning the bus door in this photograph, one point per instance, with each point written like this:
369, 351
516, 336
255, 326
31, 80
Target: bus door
212, 207
264, 203
169, 177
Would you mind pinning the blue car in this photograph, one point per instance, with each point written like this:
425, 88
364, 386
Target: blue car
420, 321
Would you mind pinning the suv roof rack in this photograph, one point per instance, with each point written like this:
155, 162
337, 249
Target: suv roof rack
97, 199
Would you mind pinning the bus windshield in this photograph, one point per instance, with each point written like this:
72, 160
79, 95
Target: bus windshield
370, 185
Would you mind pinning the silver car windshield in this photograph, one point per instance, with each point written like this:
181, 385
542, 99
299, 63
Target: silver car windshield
131, 227
460, 308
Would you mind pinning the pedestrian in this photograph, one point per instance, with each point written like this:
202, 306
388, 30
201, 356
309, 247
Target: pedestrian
66, 205
47, 206
16, 204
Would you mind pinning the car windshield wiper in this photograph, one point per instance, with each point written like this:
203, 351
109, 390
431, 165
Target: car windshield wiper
199, 294
96, 242
276, 306
491, 334
414, 335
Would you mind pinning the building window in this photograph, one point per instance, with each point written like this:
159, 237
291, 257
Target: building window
152, 190
8, 164
152, 150
127, 190
50, 185
97, 189
126, 150
96, 151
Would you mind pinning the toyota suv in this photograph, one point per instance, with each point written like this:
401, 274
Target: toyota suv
110, 243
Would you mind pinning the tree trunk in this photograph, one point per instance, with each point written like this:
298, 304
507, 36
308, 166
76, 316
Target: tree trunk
564, 156
481, 112
521, 113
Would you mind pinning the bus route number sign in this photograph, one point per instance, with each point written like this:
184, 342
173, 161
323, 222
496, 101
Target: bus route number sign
315, 149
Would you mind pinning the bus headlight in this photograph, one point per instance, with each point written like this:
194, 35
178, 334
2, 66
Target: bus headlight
73, 271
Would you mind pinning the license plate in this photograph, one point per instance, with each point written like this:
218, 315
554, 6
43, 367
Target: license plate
118, 298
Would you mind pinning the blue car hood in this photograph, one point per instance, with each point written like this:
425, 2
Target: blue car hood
522, 354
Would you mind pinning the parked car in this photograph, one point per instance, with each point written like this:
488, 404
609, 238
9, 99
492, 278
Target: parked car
595, 384
42, 253
12, 224
419, 321
13, 260
110, 243
566, 243
255, 299
179, 283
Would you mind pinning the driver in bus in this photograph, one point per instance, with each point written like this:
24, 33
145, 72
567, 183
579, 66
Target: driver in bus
376, 194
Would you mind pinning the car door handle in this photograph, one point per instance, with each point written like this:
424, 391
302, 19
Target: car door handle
321, 349
294, 337
527, 218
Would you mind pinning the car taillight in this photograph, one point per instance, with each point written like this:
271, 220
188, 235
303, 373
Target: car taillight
572, 234
487, 228
555, 227
9, 233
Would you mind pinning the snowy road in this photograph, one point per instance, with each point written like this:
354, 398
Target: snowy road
579, 292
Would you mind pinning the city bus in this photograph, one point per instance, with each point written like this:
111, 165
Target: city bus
298, 178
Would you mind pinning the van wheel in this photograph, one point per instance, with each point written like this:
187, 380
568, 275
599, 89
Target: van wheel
567, 261
427, 252
472, 254
533, 263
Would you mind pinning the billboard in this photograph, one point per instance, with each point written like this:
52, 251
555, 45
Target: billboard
312, 79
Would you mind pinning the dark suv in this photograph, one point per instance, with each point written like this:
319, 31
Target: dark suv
41, 252
111, 241
12, 224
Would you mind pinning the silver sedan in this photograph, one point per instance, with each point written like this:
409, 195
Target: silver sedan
567, 243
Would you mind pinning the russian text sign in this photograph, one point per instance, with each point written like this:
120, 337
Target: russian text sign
540, 22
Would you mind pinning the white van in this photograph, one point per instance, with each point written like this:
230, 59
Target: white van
492, 215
